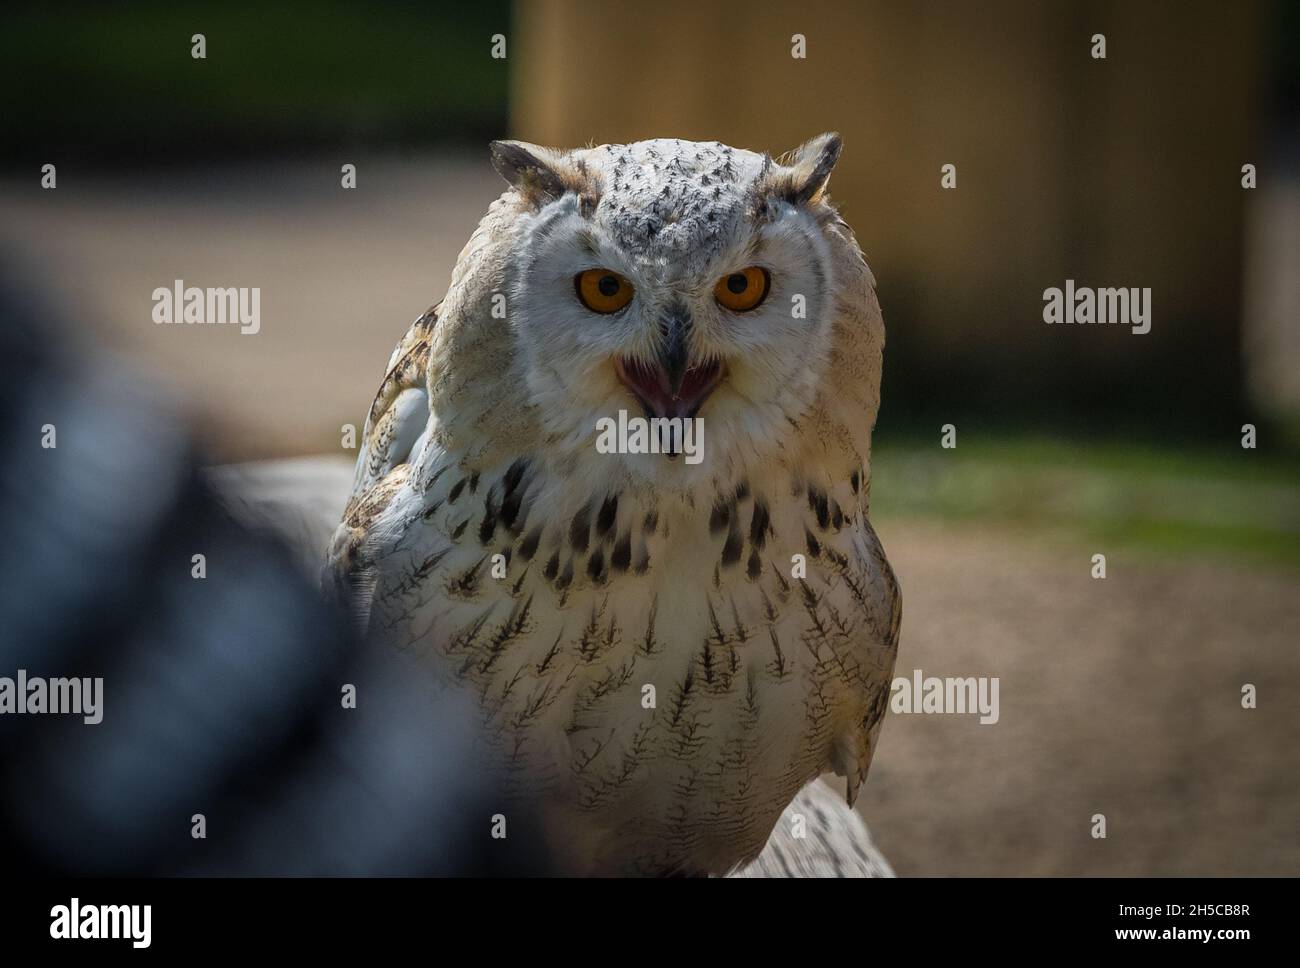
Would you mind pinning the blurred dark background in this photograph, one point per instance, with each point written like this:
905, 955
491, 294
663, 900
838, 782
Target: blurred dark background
1117, 172
116, 83
1071, 440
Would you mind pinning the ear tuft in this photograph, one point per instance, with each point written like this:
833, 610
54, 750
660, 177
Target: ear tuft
807, 169
539, 173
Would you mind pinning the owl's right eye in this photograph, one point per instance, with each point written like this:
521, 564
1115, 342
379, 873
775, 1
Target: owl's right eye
602, 290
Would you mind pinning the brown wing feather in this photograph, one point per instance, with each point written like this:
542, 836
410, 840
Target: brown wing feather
380, 471
407, 370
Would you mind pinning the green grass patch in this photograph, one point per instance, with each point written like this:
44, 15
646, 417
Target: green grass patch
1187, 502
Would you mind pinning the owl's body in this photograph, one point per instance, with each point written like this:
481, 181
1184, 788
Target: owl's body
674, 649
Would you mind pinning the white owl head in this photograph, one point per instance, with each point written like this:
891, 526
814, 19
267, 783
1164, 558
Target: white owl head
669, 279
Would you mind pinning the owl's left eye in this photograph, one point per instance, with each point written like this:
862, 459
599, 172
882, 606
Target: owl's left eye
602, 290
744, 290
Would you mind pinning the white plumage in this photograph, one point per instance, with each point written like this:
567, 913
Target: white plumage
748, 590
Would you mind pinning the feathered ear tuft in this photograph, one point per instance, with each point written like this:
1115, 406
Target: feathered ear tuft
540, 174
802, 174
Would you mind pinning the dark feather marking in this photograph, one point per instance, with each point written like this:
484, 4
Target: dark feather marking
489, 526
506, 691
514, 627
734, 545
528, 547
718, 636
647, 644
433, 479
578, 529
719, 517
566, 576
594, 641
550, 655
810, 599
455, 490
511, 504
823, 511
466, 637
514, 474
590, 752
779, 661
759, 526
622, 556
739, 633
677, 705
608, 512
429, 564
543, 698
466, 584
596, 566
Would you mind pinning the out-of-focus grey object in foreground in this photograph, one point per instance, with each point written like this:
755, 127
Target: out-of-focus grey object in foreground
300, 500
219, 741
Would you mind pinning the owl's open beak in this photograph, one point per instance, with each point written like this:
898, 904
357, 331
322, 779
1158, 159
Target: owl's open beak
670, 388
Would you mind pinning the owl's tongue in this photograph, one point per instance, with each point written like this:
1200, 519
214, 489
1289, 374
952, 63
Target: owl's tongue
653, 388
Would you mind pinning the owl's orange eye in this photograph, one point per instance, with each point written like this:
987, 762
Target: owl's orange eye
602, 290
744, 290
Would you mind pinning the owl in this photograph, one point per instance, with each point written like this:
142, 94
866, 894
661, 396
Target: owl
663, 650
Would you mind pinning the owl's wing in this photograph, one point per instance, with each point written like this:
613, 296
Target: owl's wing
400, 412
393, 436
883, 602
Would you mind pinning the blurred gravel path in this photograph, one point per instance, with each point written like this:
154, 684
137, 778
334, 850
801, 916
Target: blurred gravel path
1119, 696
342, 273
